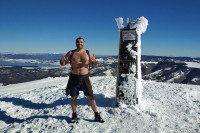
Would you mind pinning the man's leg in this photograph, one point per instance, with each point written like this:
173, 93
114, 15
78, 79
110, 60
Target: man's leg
74, 103
92, 103
94, 108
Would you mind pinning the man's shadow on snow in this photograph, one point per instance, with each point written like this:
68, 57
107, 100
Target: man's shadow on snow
100, 99
8, 120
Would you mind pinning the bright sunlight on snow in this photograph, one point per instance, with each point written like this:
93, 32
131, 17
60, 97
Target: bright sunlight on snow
41, 106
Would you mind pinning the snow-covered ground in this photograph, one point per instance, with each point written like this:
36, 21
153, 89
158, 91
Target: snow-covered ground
41, 106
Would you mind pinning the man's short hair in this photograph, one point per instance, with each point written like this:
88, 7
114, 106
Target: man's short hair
79, 38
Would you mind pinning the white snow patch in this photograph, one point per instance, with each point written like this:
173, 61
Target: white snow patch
147, 62
107, 60
195, 79
100, 60
108, 72
193, 64
169, 68
28, 67
175, 75
153, 73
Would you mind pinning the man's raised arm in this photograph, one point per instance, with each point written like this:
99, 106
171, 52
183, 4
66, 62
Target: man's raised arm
65, 59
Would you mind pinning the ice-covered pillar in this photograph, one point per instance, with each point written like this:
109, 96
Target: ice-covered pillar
139, 87
129, 77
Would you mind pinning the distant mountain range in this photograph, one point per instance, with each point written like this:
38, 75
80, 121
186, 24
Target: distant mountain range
57, 56
157, 68
164, 58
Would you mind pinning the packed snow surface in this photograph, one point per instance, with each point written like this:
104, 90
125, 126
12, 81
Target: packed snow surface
41, 106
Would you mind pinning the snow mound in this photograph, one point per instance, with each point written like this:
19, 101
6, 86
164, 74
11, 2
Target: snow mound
41, 106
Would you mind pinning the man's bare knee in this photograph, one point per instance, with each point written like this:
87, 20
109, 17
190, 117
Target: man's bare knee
74, 99
90, 98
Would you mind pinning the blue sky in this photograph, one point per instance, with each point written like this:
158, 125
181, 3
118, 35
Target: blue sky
42, 26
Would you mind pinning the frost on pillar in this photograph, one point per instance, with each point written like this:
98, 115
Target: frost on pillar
129, 86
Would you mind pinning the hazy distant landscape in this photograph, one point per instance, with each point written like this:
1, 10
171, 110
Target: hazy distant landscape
18, 68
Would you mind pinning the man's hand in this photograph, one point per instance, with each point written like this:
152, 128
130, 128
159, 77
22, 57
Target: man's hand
93, 61
63, 61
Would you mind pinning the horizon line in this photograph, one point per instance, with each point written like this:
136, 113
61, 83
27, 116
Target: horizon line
6, 52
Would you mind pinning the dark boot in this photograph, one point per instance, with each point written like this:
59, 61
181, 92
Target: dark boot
98, 118
74, 117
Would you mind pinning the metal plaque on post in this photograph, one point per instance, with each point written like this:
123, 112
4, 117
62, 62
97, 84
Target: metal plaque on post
128, 35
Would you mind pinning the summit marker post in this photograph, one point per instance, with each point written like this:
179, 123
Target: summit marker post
129, 86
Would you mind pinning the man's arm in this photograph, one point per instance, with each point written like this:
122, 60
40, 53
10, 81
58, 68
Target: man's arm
65, 60
92, 59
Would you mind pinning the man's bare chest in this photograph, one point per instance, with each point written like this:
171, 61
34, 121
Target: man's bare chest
80, 58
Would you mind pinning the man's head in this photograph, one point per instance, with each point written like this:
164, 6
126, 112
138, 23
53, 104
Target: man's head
80, 43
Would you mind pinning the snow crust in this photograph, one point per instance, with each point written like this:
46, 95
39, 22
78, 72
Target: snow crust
41, 106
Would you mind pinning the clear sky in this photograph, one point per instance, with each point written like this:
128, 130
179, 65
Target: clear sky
42, 26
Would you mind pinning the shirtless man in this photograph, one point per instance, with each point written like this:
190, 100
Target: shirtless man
79, 77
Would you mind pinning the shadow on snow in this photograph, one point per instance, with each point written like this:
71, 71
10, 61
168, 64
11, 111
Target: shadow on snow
100, 99
8, 120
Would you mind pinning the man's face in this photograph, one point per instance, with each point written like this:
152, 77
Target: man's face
80, 43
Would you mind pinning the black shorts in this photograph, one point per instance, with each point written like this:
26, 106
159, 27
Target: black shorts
78, 83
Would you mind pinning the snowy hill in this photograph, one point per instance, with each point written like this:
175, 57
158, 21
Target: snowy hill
41, 106
172, 72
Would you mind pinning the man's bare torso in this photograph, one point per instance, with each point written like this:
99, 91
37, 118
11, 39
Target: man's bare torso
79, 63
